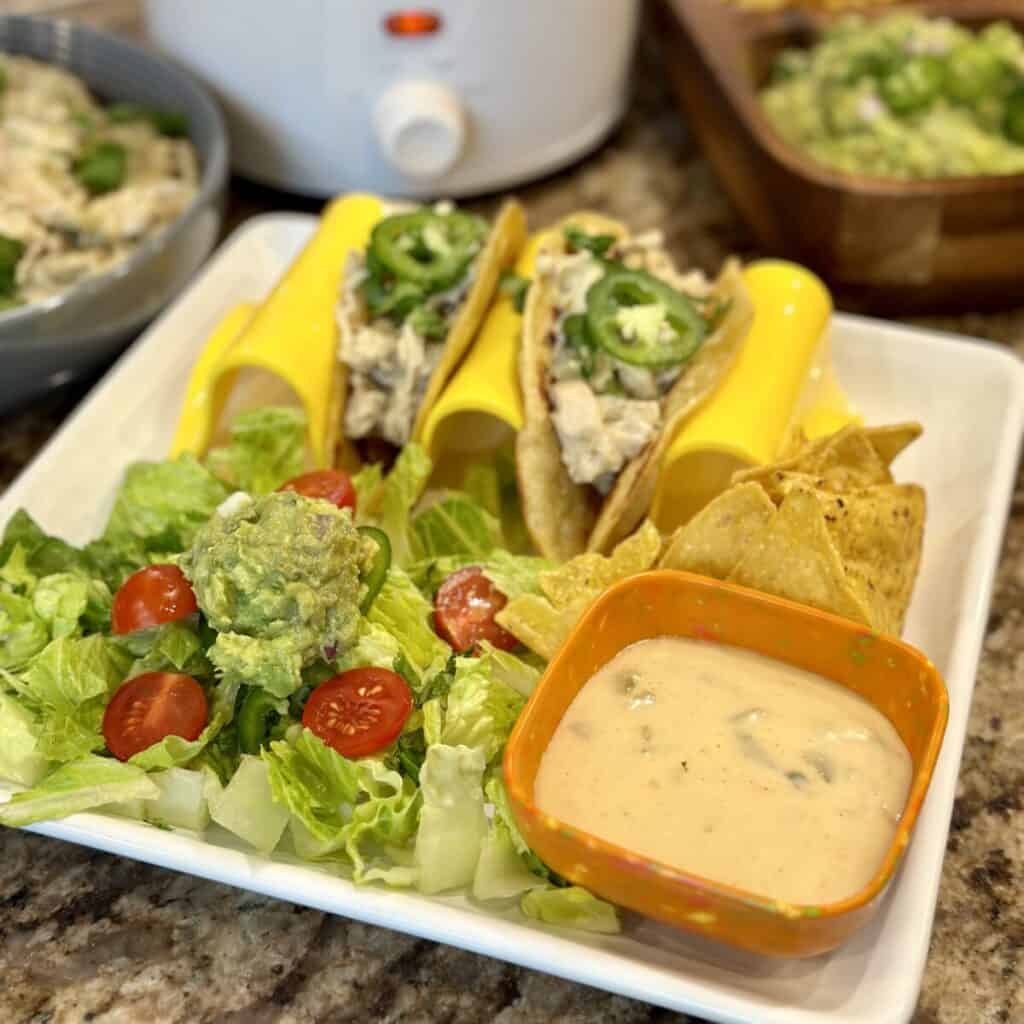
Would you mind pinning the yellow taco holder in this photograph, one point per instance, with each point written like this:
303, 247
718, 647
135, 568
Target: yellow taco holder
781, 381
286, 351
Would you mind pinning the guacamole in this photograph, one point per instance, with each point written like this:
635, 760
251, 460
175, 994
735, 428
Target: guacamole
278, 578
904, 96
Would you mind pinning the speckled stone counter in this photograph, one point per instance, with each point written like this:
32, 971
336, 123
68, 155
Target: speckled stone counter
89, 937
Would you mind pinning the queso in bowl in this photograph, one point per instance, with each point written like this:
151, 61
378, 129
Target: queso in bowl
760, 781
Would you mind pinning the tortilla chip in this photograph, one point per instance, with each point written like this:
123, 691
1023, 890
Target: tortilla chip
714, 541
631, 497
890, 440
559, 513
850, 458
879, 533
588, 574
794, 556
533, 621
543, 622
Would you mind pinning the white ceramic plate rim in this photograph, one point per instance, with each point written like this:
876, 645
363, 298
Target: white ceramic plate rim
596, 961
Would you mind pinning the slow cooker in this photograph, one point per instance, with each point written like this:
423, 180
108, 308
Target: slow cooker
455, 98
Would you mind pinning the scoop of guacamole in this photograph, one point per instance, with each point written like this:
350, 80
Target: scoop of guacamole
278, 578
904, 96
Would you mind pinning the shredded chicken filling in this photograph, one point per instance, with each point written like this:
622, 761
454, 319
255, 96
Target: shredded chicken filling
389, 365
605, 411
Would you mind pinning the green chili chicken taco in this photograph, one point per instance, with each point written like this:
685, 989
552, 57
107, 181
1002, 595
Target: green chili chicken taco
411, 303
618, 348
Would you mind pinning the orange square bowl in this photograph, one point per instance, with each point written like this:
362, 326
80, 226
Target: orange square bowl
891, 675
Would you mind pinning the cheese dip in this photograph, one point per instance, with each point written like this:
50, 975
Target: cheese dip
730, 765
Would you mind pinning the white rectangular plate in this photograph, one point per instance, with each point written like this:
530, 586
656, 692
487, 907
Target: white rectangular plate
970, 397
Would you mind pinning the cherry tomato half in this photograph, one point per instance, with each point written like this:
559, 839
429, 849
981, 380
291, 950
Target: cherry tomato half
464, 610
151, 597
359, 712
333, 485
149, 708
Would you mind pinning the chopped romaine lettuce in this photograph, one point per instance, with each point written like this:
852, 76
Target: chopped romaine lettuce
20, 758
267, 448
357, 808
67, 602
81, 785
181, 801
455, 525
405, 613
157, 511
572, 907
388, 503
501, 873
481, 709
44, 554
453, 823
23, 633
245, 806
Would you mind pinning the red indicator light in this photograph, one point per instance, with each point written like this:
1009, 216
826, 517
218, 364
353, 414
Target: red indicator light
412, 23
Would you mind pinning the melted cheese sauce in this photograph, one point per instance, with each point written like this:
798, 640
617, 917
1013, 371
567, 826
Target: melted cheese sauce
730, 765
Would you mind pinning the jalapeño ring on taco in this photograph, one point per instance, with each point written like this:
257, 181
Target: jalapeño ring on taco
411, 302
618, 349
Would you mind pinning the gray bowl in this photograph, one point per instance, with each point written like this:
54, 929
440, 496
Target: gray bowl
47, 343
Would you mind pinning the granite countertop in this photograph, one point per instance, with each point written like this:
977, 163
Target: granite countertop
89, 937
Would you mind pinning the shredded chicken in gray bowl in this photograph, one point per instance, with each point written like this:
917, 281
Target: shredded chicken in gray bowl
82, 185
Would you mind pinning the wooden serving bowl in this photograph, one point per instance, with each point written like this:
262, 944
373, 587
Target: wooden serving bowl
893, 246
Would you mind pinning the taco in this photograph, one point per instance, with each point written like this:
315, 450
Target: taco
618, 348
410, 305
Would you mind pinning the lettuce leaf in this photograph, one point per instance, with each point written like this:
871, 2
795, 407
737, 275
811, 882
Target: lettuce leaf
20, 758
571, 907
401, 610
172, 647
81, 785
513, 670
455, 525
68, 685
71, 672
513, 575
181, 800
481, 709
360, 810
501, 873
44, 554
68, 603
22, 633
453, 823
157, 510
374, 646
267, 447
245, 806
388, 503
